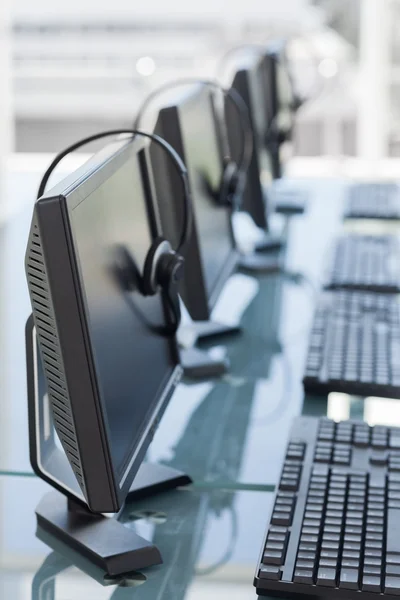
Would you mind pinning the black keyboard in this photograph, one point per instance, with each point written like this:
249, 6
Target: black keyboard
365, 262
355, 345
373, 201
334, 531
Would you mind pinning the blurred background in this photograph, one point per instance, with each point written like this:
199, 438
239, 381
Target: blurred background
75, 67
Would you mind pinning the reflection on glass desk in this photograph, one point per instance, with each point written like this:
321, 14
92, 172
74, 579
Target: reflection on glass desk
209, 541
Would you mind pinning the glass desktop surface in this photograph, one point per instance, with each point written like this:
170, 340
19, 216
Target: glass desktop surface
220, 432
208, 539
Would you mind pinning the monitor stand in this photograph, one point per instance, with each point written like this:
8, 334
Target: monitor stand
258, 263
270, 243
62, 558
204, 330
64, 513
196, 363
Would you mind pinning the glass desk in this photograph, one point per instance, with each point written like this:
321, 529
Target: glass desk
228, 434
208, 538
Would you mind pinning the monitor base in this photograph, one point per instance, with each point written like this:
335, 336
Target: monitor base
258, 263
105, 541
270, 243
208, 329
291, 202
198, 364
154, 478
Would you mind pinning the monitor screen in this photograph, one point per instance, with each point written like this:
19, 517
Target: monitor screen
265, 69
106, 225
244, 81
204, 161
278, 89
285, 95
261, 109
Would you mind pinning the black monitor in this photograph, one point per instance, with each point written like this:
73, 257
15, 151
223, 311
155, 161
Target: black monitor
187, 119
110, 368
279, 100
248, 79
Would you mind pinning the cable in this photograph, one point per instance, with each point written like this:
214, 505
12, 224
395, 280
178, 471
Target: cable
299, 278
237, 102
225, 558
261, 48
188, 217
255, 47
286, 395
316, 90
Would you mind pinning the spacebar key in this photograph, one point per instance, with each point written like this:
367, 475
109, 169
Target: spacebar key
393, 533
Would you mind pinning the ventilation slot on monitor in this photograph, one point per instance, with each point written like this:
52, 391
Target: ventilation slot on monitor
52, 361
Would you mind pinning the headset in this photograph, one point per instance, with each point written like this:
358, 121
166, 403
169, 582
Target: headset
233, 179
260, 48
163, 266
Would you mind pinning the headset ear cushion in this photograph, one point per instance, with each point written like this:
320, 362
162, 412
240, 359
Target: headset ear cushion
149, 280
229, 183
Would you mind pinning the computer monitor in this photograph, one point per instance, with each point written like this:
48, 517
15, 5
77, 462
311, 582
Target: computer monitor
187, 119
279, 100
110, 368
247, 79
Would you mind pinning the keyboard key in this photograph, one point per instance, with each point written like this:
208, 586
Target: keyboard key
372, 570
352, 538
350, 563
303, 576
330, 554
310, 530
392, 585
309, 538
378, 458
307, 547
332, 537
393, 531
273, 557
333, 522
373, 553
277, 546
306, 555
281, 518
351, 530
330, 546
351, 554
348, 579
394, 440
326, 577
277, 537
372, 562
393, 570
269, 572
352, 547
304, 564
289, 484
371, 583
328, 562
